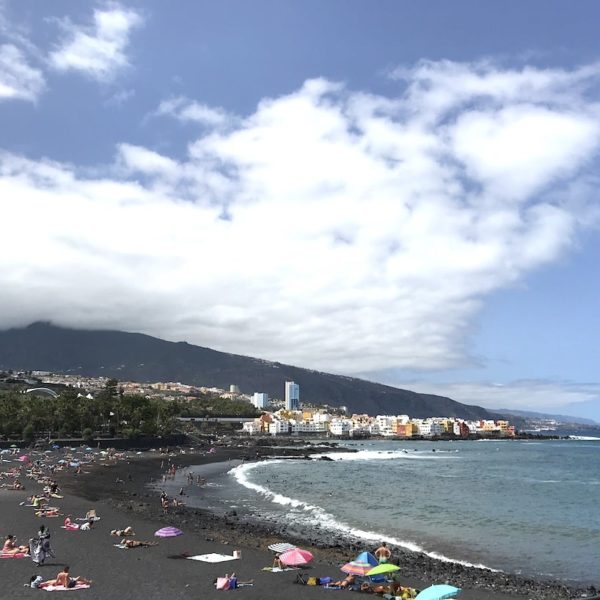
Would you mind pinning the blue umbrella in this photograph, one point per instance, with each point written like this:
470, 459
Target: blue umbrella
438, 592
366, 557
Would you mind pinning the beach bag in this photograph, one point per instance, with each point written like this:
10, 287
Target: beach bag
325, 580
312, 581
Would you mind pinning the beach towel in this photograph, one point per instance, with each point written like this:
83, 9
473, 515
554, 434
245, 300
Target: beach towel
73, 527
122, 546
279, 569
62, 588
223, 583
212, 558
17, 555
87, 519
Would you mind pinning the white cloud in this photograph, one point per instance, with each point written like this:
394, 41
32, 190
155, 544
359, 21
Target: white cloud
332, 229
186, 110
18, 79
534, 395
97, 50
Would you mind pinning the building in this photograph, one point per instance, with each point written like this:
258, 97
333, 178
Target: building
260, 400
292, 396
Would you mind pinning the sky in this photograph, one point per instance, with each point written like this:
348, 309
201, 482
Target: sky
401, 191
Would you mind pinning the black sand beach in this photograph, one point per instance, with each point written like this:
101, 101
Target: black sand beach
118, 491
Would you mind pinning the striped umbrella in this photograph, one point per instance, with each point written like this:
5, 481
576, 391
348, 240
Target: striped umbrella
168, 532
355, 567
281, 547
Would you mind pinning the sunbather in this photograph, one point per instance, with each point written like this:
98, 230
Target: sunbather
277, 564
121, 532
136, 543
10, 546
344, 583
64, 578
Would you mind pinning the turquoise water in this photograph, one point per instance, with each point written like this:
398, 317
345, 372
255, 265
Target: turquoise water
520, 506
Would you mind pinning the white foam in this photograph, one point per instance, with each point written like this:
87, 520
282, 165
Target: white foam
318, 515
383, 455
584, 438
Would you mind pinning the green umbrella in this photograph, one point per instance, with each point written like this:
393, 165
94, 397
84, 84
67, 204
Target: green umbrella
383, 568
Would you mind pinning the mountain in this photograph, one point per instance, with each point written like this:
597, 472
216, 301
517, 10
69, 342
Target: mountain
536, 416
138, 357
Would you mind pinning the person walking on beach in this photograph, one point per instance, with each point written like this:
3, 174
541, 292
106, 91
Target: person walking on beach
383, 553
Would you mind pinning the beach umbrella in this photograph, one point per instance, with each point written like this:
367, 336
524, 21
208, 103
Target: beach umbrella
168, 532
438, 592
366, 557
14, 446
383, 568
55, 446
296, 557
357, 568
281, 547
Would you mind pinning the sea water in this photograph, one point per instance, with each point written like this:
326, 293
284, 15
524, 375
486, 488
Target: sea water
529, 507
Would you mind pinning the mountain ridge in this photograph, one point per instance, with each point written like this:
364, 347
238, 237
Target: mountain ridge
140, 357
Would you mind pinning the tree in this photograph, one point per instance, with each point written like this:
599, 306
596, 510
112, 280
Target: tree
28, 433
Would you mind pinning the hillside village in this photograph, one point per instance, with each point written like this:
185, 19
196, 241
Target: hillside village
287, 416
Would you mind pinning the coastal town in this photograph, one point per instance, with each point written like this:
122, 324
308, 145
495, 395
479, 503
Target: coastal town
279, 416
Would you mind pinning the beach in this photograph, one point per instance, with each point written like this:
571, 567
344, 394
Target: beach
118, 491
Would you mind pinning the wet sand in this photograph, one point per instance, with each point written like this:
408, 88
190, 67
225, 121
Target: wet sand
120, 496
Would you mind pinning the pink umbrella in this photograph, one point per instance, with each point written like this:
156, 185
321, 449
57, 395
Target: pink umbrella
24, 458
168, 532
296, 557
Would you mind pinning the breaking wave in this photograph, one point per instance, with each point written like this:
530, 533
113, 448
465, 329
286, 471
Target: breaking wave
318, 515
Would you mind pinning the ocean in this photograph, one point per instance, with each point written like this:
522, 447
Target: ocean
527, 507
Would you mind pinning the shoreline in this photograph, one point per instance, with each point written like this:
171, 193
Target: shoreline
418, 569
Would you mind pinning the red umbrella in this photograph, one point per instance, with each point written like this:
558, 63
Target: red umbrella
296, 557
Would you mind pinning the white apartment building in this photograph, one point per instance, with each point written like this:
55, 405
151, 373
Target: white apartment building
251, 427
340, 427
278, 427
260, 400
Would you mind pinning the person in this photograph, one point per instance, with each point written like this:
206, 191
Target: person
344, 583
87, 525
39, 547
136, 543
35, 580
64, 578
10, 546
68, 523
277, 564
121, 532
50, 511
383, 553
